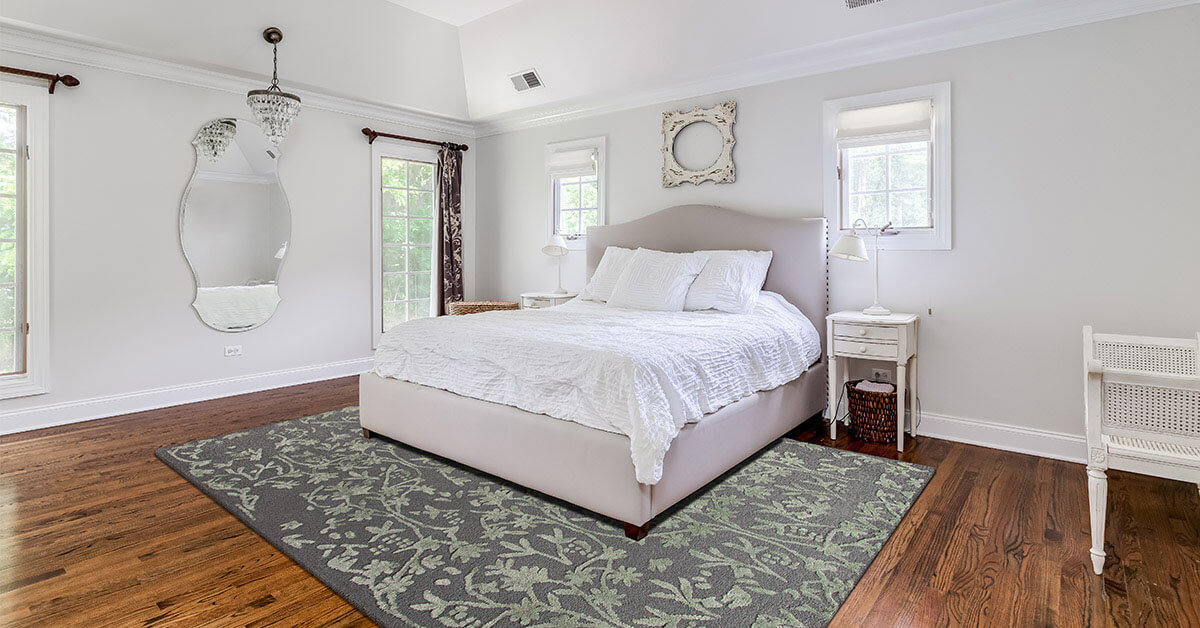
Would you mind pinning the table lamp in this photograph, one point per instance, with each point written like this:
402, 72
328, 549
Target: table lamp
851, 247
557, 248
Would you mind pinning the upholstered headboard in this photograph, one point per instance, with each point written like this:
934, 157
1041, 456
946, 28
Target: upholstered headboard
797, 267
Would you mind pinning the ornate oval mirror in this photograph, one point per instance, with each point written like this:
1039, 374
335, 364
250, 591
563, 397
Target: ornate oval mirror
234, 225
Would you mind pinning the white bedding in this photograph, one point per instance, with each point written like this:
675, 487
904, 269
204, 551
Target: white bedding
638, 373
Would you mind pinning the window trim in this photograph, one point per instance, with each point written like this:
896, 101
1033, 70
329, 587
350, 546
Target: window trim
599, 144
379, 151
36, 378
937, 238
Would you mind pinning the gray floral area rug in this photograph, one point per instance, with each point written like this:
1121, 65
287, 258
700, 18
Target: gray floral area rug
414, 540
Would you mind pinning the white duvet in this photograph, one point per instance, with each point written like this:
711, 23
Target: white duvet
642, 374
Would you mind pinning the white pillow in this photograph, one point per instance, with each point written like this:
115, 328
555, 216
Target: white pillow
730, 281
655, 280
608, 271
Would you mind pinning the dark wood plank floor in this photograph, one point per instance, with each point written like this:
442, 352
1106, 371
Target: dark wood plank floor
95, 531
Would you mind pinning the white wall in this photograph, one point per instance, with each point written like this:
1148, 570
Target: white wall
124, 334
1075, 165
370, 50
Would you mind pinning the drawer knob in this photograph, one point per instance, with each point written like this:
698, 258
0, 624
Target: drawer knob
862, 349
862, 332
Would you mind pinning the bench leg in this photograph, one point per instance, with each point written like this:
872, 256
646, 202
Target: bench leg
366, 433
637, 533
1098, 501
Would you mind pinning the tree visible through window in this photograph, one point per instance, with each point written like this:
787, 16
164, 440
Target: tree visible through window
407, 220
887, 183
577, 205
12, 243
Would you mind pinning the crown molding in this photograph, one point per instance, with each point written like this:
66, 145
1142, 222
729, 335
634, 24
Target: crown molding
1006, 20
36, 41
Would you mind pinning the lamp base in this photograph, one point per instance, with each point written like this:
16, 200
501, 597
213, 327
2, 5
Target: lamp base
558, 291
877, 310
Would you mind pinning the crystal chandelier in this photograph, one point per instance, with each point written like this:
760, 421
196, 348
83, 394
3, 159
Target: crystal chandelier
273, 108
214, 138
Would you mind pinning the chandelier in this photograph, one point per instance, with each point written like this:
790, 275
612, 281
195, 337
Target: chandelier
214, 137
274, 109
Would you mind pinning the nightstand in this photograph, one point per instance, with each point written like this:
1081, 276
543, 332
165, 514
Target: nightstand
538, 300
891, 338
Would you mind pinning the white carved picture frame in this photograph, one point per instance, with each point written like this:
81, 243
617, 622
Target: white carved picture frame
722, 117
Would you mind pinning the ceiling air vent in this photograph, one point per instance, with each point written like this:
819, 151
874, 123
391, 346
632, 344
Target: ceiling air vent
852, 4
526, 80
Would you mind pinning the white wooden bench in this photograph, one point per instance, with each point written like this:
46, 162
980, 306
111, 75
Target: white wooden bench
1142, 407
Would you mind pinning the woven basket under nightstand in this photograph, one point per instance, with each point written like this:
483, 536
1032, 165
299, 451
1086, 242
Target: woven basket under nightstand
475, 307
872, 414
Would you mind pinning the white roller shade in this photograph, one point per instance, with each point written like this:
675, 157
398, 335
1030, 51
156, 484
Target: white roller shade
572, 163
858, 125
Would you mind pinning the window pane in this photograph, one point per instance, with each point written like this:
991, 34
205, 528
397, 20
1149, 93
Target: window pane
872, 208
568, 197
394, 203
8, 218
909, 146
418, 286
8, 173
910, 209
8, 127
420, 231
569, 224
865, 150
868, 174
420, 176
590, 218
394, 286
420, 203
589, 195
910, 170
418, 309
394, 173
394, 314
395, 230
421, 258
8, 353
394, 258
590, 177
8, 307
8, 262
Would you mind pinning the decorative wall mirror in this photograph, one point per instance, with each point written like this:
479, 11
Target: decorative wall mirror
698, 145
234, 225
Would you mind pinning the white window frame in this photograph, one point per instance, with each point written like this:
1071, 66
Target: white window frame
380, 150
36, 378
936, 238
599, 144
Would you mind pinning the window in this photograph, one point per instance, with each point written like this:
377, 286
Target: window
888, 162
24, 315
405, 233
576, 173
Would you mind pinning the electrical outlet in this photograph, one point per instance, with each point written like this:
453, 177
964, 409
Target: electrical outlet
232, 351
881, 375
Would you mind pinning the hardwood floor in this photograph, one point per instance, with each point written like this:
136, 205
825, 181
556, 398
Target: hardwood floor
95, 531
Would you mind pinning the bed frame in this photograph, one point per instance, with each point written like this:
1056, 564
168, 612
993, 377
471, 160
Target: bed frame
592, 468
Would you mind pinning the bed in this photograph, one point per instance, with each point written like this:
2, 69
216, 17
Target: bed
591, 467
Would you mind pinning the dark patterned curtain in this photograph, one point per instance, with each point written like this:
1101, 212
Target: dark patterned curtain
450, 200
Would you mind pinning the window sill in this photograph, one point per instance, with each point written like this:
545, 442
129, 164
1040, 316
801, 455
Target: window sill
909, 240
576, 244
23, 385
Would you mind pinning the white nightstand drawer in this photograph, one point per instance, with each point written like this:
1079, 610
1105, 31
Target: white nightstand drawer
852, 348
534, 303
865, 331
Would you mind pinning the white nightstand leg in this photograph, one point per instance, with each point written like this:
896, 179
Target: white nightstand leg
901, 378
912, 424
833, 390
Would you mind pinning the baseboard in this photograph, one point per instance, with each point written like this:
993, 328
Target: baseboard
53, 414
1025, 440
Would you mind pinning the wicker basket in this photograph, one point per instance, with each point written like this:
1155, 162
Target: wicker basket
872, 414
475, 307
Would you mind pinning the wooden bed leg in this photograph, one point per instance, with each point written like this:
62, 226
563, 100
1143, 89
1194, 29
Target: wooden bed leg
366, 433
637, 533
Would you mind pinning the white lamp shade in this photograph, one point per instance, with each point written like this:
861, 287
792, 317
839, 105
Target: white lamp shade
556, 247
850, 247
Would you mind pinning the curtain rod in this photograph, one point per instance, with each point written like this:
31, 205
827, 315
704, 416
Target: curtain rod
55, 79
372, 134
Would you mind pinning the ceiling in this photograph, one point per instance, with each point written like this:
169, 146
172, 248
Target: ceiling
456, 12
